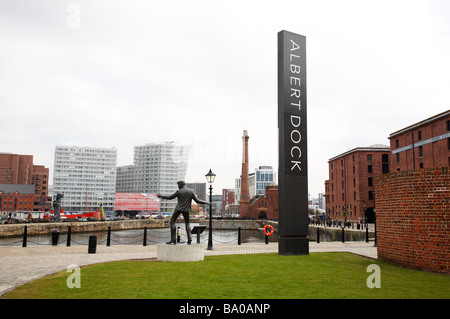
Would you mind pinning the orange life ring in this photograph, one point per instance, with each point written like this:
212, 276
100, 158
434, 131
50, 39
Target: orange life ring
270, 232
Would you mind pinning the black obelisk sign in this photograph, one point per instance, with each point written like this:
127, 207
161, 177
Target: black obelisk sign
293, 155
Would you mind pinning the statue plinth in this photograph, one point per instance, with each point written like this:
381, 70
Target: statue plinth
180, 252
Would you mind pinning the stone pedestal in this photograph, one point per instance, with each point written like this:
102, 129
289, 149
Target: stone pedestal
180, 252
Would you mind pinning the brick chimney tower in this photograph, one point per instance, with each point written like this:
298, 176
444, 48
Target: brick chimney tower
245, 192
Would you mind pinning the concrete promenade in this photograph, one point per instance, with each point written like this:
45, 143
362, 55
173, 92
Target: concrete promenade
19, 265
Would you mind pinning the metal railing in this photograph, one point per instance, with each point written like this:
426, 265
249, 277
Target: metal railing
143, 237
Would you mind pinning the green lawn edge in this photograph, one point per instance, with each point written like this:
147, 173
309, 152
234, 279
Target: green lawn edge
252, 276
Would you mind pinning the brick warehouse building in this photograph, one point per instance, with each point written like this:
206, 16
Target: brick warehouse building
351, 184
413, 201
264, 206
14, 197
19, 170
425, 144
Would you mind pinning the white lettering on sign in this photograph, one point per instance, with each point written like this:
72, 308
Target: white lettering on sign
296, 93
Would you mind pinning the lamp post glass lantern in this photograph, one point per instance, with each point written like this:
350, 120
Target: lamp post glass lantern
210, 178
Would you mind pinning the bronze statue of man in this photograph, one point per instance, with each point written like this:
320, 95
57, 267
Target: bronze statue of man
185, 197
57, 207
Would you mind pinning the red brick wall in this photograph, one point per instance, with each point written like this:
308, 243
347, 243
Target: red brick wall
16, 169
267, 204
16, 202
272, 201
413, 213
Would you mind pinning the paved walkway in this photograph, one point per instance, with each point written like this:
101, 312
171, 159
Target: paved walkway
20, 265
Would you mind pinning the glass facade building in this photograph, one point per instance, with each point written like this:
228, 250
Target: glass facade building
258, 181
265, 175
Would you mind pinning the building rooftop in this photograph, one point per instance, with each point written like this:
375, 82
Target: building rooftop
421, 123
22, 189
371, 148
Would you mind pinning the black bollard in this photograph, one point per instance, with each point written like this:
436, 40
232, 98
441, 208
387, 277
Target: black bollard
24, 242
343, 235
239, 235
55, 237
367, 234
108, 238
145, 237
92, 244
318, 235
69, 233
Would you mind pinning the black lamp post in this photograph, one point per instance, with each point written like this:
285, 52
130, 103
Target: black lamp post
210, 178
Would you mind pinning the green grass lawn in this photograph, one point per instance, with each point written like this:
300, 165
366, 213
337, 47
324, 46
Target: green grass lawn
253, 276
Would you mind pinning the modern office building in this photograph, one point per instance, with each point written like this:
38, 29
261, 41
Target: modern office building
257, 181
126, 179
425, 144
237, 190
156, 169
321, 201
86, 176
199, 190
349, 191
264, 176
216, 205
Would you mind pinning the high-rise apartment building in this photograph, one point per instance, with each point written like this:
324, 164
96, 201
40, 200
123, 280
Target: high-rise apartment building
86, 176
126, 179
157, 168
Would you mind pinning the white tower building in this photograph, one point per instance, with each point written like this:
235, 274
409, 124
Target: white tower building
86, 176
157, 168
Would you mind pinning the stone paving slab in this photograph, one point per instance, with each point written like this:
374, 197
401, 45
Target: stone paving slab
19, 265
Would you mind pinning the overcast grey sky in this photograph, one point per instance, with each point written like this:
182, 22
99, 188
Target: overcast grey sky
125, 73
